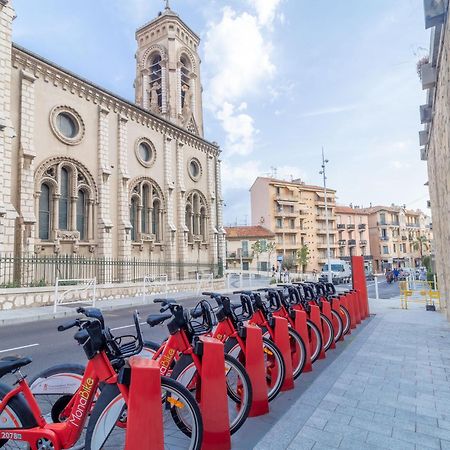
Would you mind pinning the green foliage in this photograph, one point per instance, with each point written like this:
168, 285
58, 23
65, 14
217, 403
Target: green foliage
257, 247
10, 285
426, 261
421, 243
38, 283
303, 257
273, 281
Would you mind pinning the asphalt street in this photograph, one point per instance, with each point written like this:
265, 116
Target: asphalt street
46, 346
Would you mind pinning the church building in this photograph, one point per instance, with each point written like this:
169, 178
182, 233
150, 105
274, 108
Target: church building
85, 172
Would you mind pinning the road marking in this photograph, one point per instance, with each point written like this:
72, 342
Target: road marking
126, 326
18, 348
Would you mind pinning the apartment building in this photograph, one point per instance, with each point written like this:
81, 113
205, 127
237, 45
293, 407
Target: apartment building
352, 223
295, 212
241, 254
394, 234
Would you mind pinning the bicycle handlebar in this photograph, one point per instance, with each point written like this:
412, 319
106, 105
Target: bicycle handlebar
68, 325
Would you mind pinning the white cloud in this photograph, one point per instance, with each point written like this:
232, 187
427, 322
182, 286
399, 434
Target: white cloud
266, 10
238, 56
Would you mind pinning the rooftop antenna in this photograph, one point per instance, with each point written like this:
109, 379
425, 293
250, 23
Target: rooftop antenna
167, 4
274, 171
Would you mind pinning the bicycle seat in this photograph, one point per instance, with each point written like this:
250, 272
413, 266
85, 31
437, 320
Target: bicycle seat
11, 363
156, 319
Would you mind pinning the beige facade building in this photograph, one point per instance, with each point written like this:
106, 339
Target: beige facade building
295, 212
241, 254
434, 138
352, 225
394, 232
84, 172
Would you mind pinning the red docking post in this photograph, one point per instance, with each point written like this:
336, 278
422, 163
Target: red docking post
337, 308
256, 369
360, 284
144, 430
326, 310
315, 318
354, 297
345, 302
302, 329
213, 396
282, 342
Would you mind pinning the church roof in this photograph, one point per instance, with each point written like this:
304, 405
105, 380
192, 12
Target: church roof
168, 13
111, 94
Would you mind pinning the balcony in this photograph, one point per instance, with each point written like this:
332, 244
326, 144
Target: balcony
384, 238
324, 245
434, 12
351, 226
237, 255
423, 137
351, 242
324, 231
362, 226
428, 75
423, 154
341, 226
362, 243
342, 242
395, 224
413, 225
404, 238
324, 217
425, 113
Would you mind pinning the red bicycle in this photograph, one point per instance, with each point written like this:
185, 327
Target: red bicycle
179, 356
23, 426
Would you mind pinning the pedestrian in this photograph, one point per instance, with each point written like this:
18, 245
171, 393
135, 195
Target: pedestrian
396, 273
314, 272
423, 274
274, 271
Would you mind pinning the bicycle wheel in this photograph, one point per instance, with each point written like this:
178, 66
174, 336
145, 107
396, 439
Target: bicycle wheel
273, 360
347, 320
338, 325
107, 425
17, 414
54, 387
315, 339
328, 332
239, 389
298, 352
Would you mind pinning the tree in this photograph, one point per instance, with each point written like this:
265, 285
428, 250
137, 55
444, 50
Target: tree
257, 248
270, 248
289, 262
420, 244
303, 257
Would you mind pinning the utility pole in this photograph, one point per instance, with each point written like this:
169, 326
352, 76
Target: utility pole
323, 172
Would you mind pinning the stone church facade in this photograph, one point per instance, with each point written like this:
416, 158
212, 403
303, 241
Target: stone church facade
84, 172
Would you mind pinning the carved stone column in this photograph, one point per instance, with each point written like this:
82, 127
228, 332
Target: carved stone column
212, 219
169, 239
182, 228
104, 222
123, 208
219, 213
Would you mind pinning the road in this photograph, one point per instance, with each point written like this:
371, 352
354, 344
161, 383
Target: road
46, 346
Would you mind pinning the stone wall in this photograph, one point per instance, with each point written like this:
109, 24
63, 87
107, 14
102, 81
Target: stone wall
438, 166
32, 297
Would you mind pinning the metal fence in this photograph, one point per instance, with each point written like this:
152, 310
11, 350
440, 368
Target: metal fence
36, 271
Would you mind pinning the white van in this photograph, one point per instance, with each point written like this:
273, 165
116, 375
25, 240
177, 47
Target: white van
341, 271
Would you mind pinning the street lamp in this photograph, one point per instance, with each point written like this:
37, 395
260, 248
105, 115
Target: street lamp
323, 172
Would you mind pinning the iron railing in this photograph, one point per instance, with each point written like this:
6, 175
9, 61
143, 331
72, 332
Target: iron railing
37, 271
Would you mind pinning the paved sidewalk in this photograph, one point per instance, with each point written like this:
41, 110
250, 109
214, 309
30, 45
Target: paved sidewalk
388, 388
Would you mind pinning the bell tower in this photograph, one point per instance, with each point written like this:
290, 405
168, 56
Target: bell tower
168, 80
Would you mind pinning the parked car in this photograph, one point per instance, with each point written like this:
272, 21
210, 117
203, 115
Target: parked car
341, 271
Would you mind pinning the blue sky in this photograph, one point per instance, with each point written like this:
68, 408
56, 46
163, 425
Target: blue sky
281, 78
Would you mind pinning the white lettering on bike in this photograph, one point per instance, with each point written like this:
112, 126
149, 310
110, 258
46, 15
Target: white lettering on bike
8, 435
80, 410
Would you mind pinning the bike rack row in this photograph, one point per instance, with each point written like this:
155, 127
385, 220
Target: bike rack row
145, 431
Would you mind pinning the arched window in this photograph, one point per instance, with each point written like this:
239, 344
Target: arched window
156, 75
145, 215
185, 77
134, 218
66, 195
44, 213
146, 210
196, 217
82, 213
64, 200
156, 222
